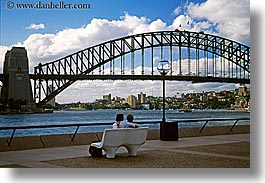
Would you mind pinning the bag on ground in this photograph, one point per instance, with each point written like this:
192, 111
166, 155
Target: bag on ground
95, 152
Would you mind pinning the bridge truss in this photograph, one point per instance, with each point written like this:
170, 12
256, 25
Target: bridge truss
194, 56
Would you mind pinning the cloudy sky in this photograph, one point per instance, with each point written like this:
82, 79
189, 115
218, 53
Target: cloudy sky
52, 34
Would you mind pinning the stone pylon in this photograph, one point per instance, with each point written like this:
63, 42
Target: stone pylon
18, 86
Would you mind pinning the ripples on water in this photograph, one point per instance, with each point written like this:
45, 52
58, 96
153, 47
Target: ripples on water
107, 116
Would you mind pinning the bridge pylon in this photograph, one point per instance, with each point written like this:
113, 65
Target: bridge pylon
17, 88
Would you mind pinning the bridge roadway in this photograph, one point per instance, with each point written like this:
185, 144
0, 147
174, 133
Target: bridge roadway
194, 79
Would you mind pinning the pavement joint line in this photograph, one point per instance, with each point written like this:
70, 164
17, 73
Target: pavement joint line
33, 164
206, 154
224, 137
27, 162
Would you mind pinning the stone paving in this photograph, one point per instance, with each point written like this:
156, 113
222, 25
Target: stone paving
186, 148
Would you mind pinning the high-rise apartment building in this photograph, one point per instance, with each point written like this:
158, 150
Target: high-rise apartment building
142, 98
132, 101
107, 98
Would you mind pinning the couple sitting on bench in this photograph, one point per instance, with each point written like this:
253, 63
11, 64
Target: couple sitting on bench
120, 123
124, 133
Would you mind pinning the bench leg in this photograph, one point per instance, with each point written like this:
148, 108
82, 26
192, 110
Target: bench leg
132, 150
110, 151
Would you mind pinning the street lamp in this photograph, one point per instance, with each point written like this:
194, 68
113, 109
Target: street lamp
163, 67
168, 131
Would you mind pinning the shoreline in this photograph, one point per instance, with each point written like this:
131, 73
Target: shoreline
83, 109
32, 112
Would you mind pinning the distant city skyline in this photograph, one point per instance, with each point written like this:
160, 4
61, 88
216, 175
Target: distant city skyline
52, 34
110, 96
238, 99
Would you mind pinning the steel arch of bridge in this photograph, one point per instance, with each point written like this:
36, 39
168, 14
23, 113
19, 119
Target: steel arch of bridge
194, 56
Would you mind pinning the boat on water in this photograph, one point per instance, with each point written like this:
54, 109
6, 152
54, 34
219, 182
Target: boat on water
185, 110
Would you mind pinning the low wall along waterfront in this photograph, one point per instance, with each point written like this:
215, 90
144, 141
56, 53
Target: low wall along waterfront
49, 141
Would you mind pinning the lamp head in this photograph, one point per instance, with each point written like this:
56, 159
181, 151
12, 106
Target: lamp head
163, 67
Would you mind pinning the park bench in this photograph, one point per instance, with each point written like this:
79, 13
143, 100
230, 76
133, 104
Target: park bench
130, 138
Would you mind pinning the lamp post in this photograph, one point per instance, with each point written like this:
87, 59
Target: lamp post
163, 68
168, 131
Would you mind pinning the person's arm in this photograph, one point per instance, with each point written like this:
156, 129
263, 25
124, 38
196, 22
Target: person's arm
133, 125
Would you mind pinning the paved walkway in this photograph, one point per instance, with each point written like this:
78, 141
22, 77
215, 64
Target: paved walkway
34, 158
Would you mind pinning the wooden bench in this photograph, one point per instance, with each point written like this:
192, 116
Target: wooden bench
131, 138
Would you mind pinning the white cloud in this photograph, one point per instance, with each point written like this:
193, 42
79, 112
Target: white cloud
182, 22
36, 26
157, 25
232, 18
177, 10
232, 21
47, 47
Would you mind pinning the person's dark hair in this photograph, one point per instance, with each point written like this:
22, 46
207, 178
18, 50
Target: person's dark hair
130, 118
119, 117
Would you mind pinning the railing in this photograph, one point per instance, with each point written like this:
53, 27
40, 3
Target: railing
78, 125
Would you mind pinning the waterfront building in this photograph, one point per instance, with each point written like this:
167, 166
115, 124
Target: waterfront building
242, 91
123, 101
204, 98
107, 98
132, 101
182, 95
178, 95
146, 106
142, 98
116, 98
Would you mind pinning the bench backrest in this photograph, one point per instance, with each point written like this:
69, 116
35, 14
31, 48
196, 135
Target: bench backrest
121, 136
136, 136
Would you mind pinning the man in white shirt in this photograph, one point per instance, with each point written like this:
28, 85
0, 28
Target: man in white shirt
124, 124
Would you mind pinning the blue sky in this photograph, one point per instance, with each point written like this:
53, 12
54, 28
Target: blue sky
52, 34
15, 20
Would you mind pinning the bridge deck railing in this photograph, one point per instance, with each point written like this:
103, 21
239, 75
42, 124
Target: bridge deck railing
205, 122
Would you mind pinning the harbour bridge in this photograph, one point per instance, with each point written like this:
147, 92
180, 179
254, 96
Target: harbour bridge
193, 56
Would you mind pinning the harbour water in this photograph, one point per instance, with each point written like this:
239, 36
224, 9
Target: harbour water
108, 116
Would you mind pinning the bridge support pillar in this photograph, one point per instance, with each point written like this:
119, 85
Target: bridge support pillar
16, 91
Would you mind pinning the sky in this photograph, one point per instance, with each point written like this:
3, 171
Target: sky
49, 34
